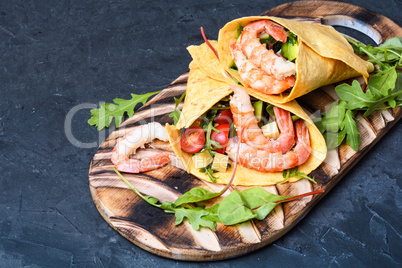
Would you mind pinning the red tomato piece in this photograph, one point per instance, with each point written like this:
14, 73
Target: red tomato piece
192, 140
222, 137
224, 117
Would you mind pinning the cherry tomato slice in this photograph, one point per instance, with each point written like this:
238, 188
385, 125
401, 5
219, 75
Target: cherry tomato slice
222, 137
192, 140
224, 117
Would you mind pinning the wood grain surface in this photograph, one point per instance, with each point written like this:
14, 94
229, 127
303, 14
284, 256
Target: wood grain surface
151, 229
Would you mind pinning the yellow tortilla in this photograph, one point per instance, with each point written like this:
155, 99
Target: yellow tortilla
203, 92
324, 56
204, 57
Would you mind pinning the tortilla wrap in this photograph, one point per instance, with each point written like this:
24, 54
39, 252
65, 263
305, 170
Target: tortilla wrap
250, 177
206, 84
324, 56
203, 92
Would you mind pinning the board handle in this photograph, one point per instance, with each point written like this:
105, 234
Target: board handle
353, 23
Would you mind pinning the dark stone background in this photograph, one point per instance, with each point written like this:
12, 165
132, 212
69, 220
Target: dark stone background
55, 55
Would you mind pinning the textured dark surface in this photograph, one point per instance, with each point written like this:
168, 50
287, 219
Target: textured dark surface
60, 55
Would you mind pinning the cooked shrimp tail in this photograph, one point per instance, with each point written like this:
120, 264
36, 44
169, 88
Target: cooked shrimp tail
135, 139
266, 59
246, 123
257, 79
303, 146
265, 161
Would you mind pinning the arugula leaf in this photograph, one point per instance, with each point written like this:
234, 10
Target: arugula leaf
209, 171
252, 203
260, 201
334, 116
334, 139
213, 214
383, 82
193, 215
195, 195
383, 87
103, 116
380, 90
211, 145
385, 55
350, 127
294, 172
354, 95
233, 210
176, 113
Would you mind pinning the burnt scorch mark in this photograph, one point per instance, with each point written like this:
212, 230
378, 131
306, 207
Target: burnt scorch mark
366, 15
102, 172
183, 181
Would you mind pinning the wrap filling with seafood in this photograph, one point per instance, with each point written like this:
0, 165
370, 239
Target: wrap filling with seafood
284, 59
274, 137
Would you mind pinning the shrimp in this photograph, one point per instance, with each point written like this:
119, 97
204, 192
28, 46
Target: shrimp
255, 77
265, 161
269, 62
246, 123
132, 141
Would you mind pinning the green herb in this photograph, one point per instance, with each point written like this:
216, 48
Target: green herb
239, 30
103, 116
232, 131
350, 127
268, 40
294, 172
358, 100
292, 38
270, 111
209, 171
334, 139
176, 113
211, 145
252, 203
233, 210
386, 55
213, 214
232, 66
334, 116
237, 207
261, 201
383, 90
295, 117
195, 216
195, 195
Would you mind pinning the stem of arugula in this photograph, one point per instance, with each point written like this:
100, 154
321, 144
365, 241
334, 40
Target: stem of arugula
299, 196
235, 167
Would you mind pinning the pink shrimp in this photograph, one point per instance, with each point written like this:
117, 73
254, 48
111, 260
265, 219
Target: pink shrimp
269, 62
132, 141
246, 122
256, 78
265, 161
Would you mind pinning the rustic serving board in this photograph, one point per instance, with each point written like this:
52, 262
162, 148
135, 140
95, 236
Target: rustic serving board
154, 231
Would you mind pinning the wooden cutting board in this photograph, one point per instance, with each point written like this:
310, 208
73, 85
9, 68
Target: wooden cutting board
151, 229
